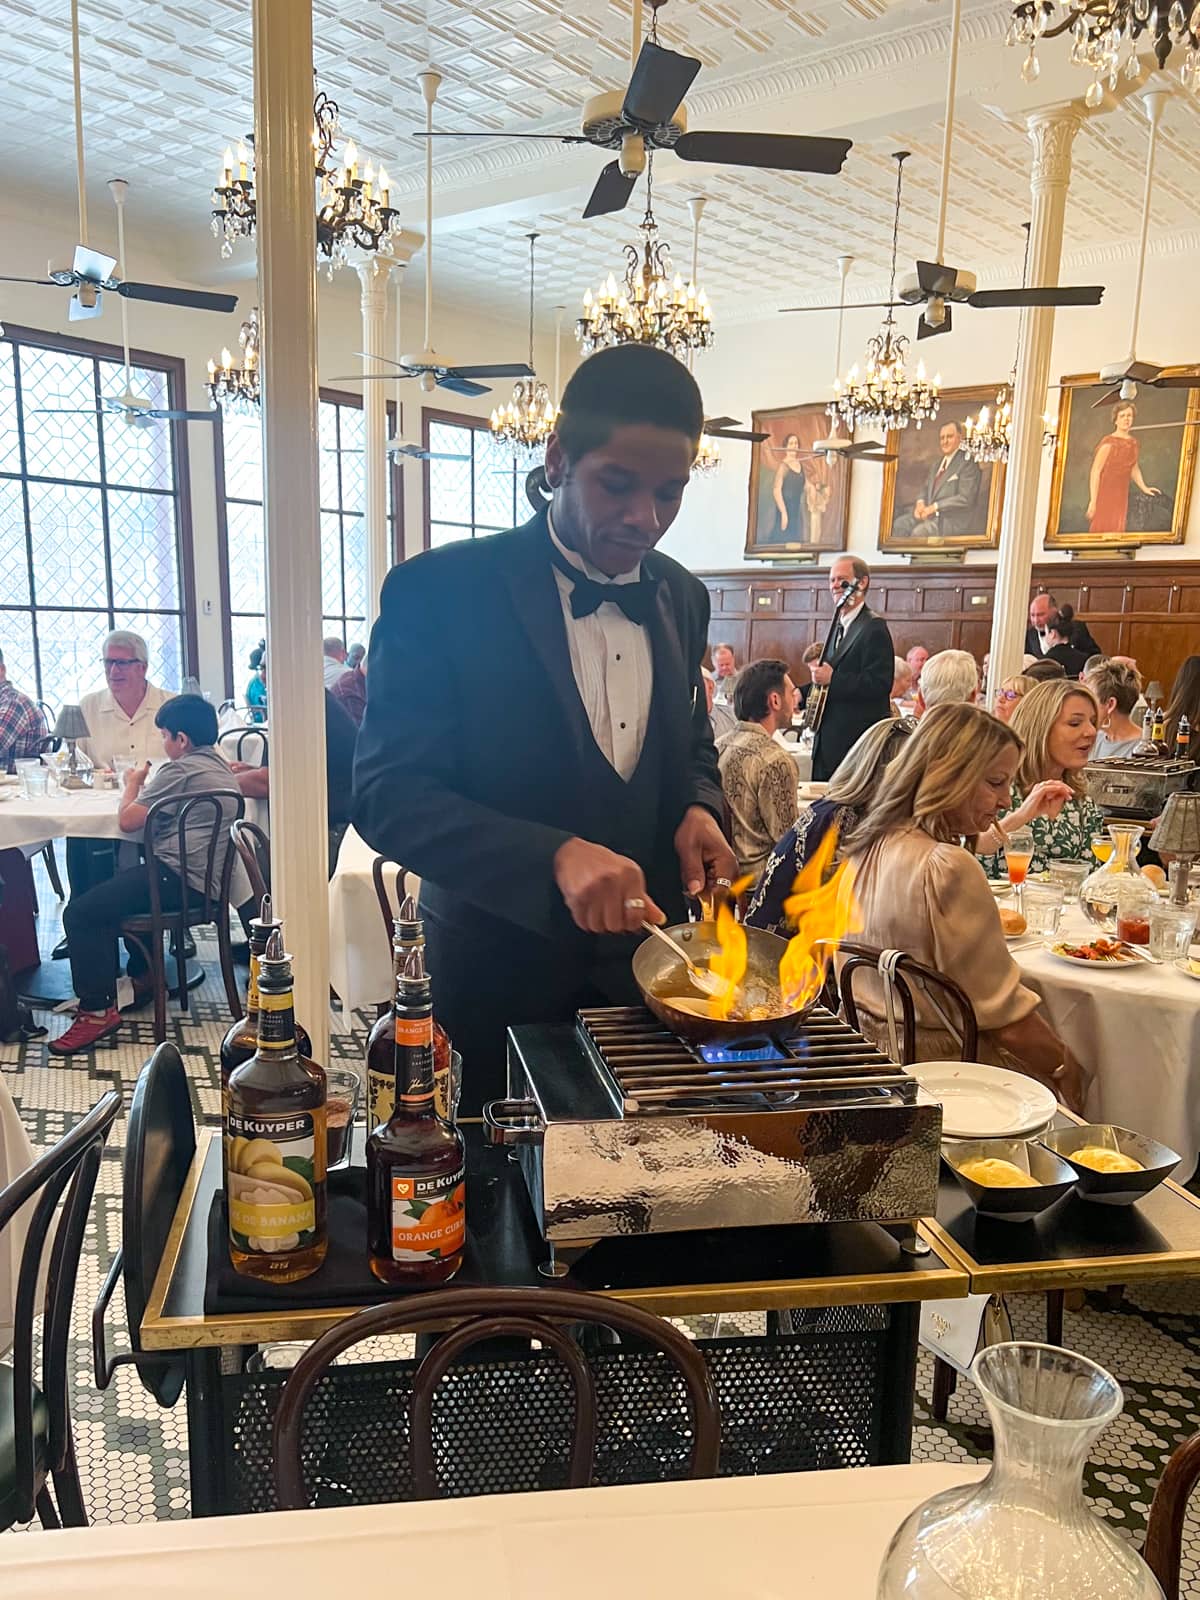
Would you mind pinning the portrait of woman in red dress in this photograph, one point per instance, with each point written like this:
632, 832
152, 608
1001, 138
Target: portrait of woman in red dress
1114, 467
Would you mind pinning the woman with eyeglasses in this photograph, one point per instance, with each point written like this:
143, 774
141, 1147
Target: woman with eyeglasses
1009, 694
850, 792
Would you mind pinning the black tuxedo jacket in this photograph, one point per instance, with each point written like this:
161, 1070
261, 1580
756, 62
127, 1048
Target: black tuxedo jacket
859, 691
1081, 639
478, 805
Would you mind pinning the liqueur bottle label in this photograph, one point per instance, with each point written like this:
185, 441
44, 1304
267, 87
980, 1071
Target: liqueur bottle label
273, 1164
429, 1216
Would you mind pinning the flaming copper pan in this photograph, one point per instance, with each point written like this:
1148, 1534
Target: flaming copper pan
659, 978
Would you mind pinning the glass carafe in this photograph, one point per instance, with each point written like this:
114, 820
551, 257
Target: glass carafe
1118, 888
1025, 1532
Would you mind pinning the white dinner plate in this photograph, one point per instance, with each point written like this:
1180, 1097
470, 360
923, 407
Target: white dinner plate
983, 1102
1189, 966
1110, 964
1000, 887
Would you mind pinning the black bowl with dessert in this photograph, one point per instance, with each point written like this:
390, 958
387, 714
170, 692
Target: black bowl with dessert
1008, 1179
1113, 1166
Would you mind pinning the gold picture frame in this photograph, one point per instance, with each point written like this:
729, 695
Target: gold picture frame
1167, 429
819, 500
909, 481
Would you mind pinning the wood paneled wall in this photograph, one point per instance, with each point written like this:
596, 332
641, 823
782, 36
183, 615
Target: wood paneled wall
1148, 610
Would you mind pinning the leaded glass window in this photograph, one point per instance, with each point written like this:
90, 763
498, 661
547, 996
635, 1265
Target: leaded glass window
470, 498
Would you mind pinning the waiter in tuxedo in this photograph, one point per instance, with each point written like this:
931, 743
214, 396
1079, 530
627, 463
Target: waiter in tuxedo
588, 800
856, 668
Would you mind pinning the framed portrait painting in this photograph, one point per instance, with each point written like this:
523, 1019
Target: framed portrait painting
934, 496
799, 502
1123, 469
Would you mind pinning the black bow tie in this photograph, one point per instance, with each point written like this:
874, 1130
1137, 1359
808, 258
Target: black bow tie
636, 600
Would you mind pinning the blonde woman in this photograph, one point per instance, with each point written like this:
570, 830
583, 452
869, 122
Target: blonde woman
1010, 692
1116, 687
920, 891
1057, 723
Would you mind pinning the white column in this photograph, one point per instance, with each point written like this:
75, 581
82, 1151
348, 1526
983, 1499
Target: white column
287, 298
1052, 132
373, 276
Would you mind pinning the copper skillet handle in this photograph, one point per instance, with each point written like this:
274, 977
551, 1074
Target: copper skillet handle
512, 1122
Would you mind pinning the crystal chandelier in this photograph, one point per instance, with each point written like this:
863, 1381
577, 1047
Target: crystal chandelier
352, 200
884, 396
1102, 29
988, 437
528, 419
648, 308
234, 386
708, 457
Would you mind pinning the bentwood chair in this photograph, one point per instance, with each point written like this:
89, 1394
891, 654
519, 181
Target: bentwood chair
488, 1314
196, 908
160, 1142
1163, 1549
254, 850
904, 974
36, 1447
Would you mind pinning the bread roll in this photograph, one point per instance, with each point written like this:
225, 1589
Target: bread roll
1011, 921
996, 1174
1156, 876
1101, 1159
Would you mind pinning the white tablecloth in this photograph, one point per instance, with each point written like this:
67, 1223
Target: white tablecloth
16, 1156
801, 752
1137, 1029
360, 955
771, 1538
75, 813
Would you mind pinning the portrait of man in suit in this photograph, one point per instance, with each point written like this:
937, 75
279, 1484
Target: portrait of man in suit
934, 494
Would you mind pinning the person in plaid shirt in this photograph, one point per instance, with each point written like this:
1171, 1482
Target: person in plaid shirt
22, 725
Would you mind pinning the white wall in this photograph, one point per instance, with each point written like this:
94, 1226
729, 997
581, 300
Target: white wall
464, 335
786, 360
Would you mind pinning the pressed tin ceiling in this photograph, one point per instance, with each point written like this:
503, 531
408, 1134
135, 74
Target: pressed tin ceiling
167, 85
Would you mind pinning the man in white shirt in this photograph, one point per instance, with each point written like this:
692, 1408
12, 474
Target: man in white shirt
758, 775
120, 718
335, 659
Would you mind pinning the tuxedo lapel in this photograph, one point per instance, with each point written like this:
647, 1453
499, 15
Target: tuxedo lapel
671, 688
535, 599
850, 641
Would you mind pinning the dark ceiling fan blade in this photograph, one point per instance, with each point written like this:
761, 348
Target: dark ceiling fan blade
504, 369
720, 422
429, 455
737, 433
869, 305
459, 133
1106, 399
372, 377
462, 385
935, 278
782, 152
44, 283
1178, 380
62, 411
193, 299
1080, 295
181, 416
660, 80
611, 193
925, 330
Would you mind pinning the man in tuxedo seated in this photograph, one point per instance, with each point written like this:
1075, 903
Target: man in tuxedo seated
856, 668
588, 801
948, 504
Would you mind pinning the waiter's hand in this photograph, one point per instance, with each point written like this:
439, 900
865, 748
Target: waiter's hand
821, 672
604, 892
705, 859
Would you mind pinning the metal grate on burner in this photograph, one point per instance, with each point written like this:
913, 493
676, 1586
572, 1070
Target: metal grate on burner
653, 1067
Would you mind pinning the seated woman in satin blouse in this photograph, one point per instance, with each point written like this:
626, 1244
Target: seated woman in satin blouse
850, 792
919, 890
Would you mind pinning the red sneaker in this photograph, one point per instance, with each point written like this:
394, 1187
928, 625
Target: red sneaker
83, 1033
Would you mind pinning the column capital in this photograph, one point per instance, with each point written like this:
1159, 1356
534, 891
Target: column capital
1052, 131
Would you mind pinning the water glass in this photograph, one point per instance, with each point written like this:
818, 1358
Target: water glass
1043, 907
1171, 929
1069, 875
22, 766
35, 782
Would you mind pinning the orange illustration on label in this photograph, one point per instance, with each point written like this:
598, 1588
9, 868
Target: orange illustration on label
427, 1228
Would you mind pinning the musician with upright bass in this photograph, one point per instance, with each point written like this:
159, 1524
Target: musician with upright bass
853, 678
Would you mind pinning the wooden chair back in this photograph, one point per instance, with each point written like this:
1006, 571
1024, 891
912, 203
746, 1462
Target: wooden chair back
1163, 1549
488, 1314
389, 910
906, 970
254, 850
68, 1168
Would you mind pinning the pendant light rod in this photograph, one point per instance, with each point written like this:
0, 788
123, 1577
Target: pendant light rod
1153, 102
430, 83
948, 130
80, 176
844, 263
559, 313
533, 238
118, 188
899, 157
695, 205
637, 32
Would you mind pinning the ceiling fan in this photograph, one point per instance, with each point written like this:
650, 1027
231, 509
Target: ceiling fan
935, 286
136, 410
426, 365
837, 447
731, 428
649, 114
90, 271
1130, 372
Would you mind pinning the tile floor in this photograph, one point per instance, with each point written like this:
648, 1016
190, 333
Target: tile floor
133, 1455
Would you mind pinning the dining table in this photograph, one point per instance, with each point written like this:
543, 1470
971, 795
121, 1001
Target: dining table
801, 1533
1135, 1027
360, 946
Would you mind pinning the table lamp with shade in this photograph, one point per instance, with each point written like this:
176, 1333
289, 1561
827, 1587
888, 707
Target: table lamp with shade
71, 726
1178, 836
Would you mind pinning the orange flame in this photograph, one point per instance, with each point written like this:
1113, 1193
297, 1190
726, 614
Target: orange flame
822, 913
731, 960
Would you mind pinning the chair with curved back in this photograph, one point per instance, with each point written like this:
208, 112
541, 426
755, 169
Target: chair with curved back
36, 1447
1163, 1549
160, 1144
239, 736
904, 971
490, 1314
254, 851
197, 908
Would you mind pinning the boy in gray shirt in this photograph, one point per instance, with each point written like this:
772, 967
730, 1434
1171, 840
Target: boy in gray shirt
92, 920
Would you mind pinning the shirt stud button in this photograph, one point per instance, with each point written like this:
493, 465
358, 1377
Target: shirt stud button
622, 726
